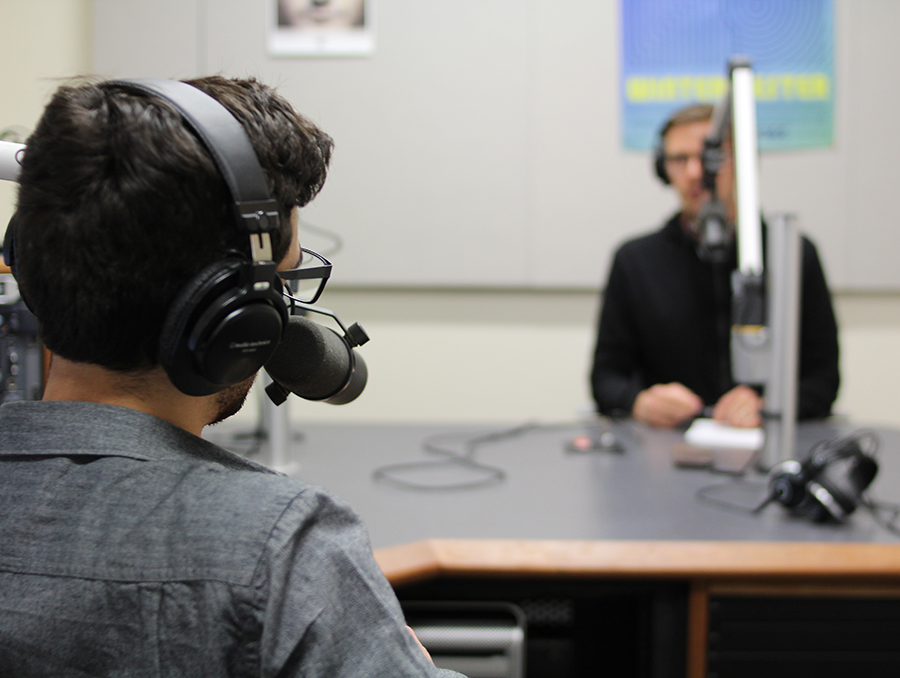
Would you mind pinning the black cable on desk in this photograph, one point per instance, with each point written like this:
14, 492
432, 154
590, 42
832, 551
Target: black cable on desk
492, 475
459, 459
465, 459
707, 494
877, 509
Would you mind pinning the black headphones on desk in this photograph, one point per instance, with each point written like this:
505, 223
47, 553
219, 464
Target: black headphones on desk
227, 321
827, 486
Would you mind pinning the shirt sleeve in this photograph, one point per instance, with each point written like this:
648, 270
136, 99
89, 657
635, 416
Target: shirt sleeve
329, 610
615, 381
818, 351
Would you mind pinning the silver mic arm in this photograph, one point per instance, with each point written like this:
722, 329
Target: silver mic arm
750, 344
746, 168
765, 303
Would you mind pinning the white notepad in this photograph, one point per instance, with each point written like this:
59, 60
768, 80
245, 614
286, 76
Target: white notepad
710, 433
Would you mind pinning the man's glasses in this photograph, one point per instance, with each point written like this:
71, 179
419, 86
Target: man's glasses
306, 282
679, 161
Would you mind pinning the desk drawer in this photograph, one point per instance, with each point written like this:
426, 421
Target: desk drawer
794, 636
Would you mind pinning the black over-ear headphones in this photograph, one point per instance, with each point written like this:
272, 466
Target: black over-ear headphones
827, 486
228, 320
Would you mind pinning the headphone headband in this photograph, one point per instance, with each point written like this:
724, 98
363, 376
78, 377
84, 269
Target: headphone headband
225, 138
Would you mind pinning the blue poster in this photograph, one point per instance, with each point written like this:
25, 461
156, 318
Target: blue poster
676, 52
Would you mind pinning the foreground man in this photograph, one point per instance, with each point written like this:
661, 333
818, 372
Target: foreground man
129, 546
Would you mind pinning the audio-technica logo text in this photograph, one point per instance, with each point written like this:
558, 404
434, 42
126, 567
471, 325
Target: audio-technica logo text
248, 346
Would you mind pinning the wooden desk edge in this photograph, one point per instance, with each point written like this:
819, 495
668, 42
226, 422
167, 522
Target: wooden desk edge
693, 560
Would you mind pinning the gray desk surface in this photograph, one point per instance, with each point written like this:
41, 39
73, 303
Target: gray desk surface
548, 493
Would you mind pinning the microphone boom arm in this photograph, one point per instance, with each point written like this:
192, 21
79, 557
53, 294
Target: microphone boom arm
750, 340
746, 168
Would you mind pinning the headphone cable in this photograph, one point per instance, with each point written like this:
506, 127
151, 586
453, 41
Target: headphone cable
875, 509
706, 494
492, 475
465, 459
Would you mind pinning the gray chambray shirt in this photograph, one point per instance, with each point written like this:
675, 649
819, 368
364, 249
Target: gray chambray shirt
129, 547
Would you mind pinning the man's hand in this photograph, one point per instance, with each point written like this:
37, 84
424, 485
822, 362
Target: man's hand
666, 405
741, 407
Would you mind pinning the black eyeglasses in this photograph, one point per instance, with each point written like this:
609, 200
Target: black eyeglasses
679, 161
306, 282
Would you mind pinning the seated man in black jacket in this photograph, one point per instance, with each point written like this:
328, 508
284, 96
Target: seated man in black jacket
662, 352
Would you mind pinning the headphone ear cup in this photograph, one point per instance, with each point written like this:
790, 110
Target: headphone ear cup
827, 501
787, 484
839, 478
841, 483
659, 165
221, 329
9, 244
816, 511
9, 254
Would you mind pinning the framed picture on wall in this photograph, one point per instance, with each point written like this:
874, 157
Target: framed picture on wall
321, 27
676, 53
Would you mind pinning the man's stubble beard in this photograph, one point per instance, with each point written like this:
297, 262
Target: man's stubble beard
230, 400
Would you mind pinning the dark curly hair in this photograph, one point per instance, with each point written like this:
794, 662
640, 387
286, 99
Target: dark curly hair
120, 205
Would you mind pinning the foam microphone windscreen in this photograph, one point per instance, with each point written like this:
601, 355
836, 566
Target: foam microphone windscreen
316, 363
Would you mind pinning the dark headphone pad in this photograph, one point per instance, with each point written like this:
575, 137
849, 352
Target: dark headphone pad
9, 253
844, 476
216, 304
659, 164
9, 244
816, 511
191, 296
845, 500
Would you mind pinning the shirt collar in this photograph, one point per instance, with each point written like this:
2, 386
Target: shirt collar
75, 428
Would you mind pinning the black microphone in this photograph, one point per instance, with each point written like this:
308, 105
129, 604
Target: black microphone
316, 363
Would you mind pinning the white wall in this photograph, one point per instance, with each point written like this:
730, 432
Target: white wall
496, 127
447, 356
41, 41
521, 356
